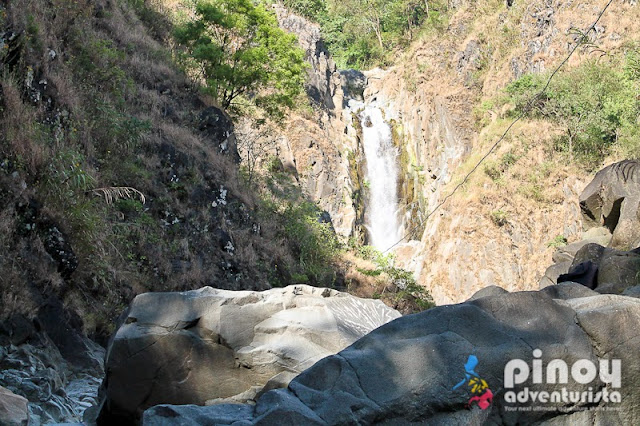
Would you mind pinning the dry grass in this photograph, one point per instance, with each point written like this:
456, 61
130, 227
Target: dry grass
22, 134
120, 136
115, 193
534, 187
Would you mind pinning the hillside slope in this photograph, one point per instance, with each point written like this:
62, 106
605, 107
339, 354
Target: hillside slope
116, 176
448, 92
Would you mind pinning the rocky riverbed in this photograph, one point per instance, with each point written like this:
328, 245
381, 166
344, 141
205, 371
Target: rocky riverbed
319, 356
46, 386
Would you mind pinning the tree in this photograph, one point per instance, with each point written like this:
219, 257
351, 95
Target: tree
312, 9
595, 104
365, 16
238, 48
364, 33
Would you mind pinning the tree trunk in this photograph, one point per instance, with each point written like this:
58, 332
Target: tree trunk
378, 31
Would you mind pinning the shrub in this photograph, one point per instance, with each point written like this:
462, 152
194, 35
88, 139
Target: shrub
315, 243
492, 170
99, 61
558, 241
407, 290
596, 104
312, 9
632, 63
499, 217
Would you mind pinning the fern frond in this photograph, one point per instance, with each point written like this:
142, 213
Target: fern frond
115, 193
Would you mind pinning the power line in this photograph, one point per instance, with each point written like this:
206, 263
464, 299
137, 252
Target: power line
524, 112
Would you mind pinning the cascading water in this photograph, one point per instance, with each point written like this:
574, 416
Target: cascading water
382, 177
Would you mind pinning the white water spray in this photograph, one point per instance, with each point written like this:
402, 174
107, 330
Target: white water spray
382, 178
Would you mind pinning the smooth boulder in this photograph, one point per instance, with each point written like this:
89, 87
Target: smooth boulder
209, 345
415, 369
13, 409
612, 200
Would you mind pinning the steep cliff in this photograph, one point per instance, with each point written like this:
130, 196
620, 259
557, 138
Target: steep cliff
500, 228
117, 176
321, 145
444, 98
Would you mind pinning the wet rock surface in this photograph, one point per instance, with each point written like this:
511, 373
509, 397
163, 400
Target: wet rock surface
58, 390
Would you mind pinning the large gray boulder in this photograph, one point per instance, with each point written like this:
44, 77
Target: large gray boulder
604, 269
568, 290
612, 200
13, 409
208, 345
407, 371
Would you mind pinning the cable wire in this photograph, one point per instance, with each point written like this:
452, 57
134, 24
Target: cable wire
524, 112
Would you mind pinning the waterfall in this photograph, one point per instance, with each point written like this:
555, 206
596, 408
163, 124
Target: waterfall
382, 177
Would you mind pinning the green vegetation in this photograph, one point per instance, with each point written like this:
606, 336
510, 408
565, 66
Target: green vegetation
407, 291
238, 48
312, 9
313, 246
363, 33
499, 217
596, 105
315, 242
558, 241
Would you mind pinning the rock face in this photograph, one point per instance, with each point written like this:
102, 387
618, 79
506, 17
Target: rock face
354, 84
13, 409
323, 79
216, 126
416, 368
49, 364
612, 200
57, 391
460, 250
318, 148
198, 346
605, 270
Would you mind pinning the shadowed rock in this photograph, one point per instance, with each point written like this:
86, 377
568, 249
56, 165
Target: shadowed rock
406, 371
209, 345
13, 409
612, 200
217, 127
604, 270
